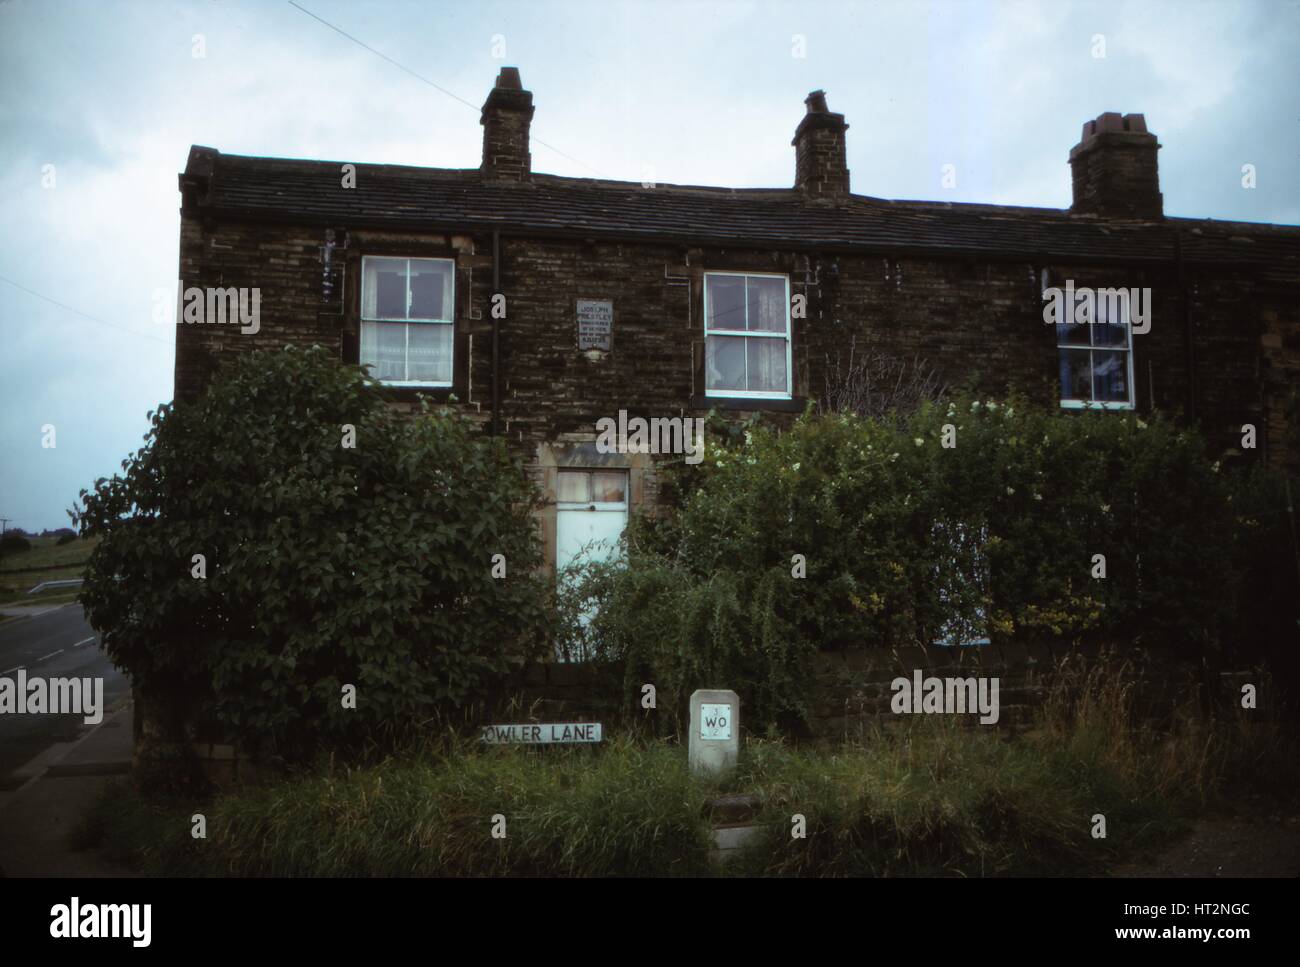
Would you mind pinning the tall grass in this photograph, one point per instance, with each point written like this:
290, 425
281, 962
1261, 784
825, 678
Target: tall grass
925, 796
630, 808
939, 798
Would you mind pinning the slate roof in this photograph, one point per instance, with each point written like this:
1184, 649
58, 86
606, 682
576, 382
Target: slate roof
440, 199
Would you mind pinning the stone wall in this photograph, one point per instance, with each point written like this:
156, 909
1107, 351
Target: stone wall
851, 699
851, 691
1221, 343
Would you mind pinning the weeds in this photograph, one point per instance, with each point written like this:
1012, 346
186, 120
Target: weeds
926, 796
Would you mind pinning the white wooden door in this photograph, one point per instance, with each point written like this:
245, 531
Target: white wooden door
590, 515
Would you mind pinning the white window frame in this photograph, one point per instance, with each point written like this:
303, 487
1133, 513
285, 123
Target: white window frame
787, 335
409, 321
592, 504
1127, 349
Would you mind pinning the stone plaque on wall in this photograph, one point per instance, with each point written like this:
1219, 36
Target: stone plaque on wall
595, 324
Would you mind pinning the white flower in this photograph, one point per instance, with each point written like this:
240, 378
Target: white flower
992, 406
1010, 491
1038, 496
893, 457
1141, 425
749, 438
795, 467
919, 441
1105, 508
719, 463
975, 407
1215, 468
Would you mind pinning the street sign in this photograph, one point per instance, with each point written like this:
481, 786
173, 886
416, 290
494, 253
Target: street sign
545, 733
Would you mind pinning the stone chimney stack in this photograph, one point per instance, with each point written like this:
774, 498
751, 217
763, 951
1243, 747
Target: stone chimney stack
820, 165
507, 115
1114, 168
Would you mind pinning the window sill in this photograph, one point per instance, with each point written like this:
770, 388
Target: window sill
410, 392
769, 404
410, 384
1094, 405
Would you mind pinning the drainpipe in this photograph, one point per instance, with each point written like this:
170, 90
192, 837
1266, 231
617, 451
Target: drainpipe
1185, 310
496, 328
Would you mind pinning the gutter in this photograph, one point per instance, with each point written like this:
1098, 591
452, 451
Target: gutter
1184, 310
496, 331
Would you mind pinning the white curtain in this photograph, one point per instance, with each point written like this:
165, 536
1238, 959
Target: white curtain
383, 349
429, 352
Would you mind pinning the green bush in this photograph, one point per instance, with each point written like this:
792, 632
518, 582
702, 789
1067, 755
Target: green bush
906, 540
1042, 492
326, 564
14, 543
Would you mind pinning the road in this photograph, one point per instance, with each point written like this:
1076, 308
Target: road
57, 644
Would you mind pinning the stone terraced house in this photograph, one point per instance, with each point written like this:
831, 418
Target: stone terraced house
667, 301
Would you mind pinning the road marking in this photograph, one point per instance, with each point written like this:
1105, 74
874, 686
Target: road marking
50, 655
80, 643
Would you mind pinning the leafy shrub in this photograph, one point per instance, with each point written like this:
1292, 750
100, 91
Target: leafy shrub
663, 623
906, 540
1048, 491
325, 564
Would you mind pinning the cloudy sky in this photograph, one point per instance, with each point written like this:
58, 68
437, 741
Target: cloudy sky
100, 101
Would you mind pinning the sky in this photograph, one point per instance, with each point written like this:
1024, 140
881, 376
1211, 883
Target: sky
101, 100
